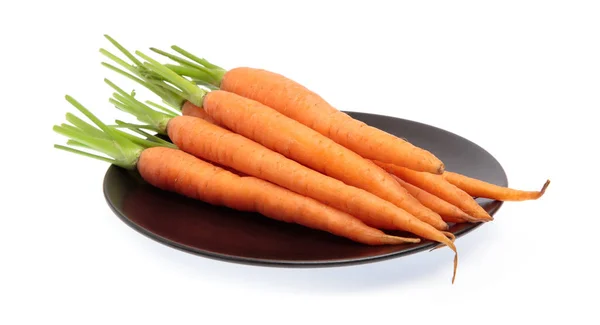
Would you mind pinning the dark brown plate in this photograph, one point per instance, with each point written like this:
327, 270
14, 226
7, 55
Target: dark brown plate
226, 234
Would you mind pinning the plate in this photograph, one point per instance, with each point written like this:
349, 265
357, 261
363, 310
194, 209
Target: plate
225, 234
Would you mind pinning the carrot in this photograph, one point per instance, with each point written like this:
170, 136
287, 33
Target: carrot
305, 106
449, 212
288, 137
479, 188
438, 186
220, 146
174, 170
252, 194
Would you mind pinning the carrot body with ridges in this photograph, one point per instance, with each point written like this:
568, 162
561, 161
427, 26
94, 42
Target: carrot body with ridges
305, 106
308, 147
213, 143
176, 171
479, 188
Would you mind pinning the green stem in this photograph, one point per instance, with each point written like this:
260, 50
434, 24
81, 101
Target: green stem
77, 130
143, 112
208, 85
128, 75
162, 108
120, 123
142, 142
143, 76
124, 51
119, 105
163, 87
168, 93
87, 154
194, 94
75, 143
120, 62
103, 145
192, 73
124, 152
129, 107
84, 126
138, 130
190, 56
177, 59
215, 71
156, 119
115, 87
87, 113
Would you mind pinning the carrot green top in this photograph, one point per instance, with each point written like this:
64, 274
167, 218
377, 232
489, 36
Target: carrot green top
123, 149
167, 80
156, 119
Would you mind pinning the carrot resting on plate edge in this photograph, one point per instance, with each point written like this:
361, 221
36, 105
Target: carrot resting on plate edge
479, 188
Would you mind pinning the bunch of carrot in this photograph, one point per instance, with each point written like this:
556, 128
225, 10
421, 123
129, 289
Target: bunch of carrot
254, 140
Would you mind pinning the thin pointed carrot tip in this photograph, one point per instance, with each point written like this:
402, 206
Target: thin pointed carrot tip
543, 190
449, 235
455, 266
488, 219
453, 248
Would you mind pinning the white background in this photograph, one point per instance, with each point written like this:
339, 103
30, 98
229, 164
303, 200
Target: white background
520, 78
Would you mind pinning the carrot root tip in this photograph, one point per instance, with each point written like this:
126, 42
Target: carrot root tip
441, 169
543, 190
449, 235
455, 267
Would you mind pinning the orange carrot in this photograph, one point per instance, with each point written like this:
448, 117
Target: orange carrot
479, 188
305, 106
174, 170
302, 144
215, 144
177, 171
438, 186
449, 212
288, 137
